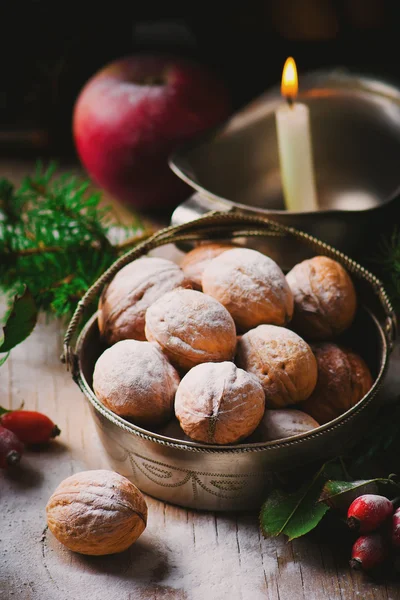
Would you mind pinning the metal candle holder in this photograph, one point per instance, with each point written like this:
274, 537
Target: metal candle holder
355, 123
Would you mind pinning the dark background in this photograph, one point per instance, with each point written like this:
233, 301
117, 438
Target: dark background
49, 49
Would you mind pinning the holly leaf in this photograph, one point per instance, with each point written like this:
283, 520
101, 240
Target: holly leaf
17, 318
294, 514
340, 494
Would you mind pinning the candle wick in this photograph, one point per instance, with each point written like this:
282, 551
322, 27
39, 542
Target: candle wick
290, 101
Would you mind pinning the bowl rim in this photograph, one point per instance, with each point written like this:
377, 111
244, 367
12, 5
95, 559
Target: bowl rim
234, 448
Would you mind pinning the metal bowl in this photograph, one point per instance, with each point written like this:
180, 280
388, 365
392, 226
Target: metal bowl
355, 126
231, 477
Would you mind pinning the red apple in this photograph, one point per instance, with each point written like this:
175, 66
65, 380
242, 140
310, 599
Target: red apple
130, 117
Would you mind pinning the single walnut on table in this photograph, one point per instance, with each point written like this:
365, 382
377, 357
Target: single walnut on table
281, 360
343, 379
123, 303
325, 299
97, 512
218, 403
191, 328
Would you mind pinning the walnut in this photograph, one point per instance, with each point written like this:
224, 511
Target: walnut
343, 379
195, 261
324, 298
136, 381
280, 423
134, 288
251, 286
191, 328
97, 512
218, 403
282, 361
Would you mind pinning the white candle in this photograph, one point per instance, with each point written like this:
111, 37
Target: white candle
295, 146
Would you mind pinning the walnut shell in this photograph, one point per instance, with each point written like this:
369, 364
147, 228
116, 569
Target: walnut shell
218, 403
134, 288
191, 328
282, 361
280, 423
325, 299
97, 512
251, 286
195, 261
136, 381
343, 379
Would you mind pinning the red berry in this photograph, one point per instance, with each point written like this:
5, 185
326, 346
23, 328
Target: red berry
369, 551
29, 426
366, 513
396, 529
11, 448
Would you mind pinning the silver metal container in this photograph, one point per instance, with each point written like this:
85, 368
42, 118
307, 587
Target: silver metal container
355, 126
164, 464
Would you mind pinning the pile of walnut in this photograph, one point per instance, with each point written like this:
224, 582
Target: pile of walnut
229, 345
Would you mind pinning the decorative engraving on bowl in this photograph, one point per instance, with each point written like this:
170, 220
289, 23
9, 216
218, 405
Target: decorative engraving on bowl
226, 486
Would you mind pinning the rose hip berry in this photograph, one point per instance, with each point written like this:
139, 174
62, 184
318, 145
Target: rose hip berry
11, 448
369, 551
29, 426
366, 513
396, 529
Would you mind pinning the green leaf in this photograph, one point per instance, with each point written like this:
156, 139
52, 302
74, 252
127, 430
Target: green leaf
294, 514
19, 317
3, 410
6, 306
340, 494
4, 358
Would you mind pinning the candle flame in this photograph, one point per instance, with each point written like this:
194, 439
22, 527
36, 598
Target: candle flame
289, 85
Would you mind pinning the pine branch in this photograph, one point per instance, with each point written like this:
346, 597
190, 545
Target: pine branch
129, 243
56, 238
38, 250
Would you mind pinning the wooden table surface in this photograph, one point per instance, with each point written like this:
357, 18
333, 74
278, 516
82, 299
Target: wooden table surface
183, 554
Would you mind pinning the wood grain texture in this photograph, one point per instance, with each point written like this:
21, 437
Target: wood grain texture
182, 555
